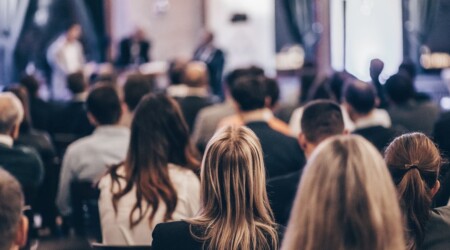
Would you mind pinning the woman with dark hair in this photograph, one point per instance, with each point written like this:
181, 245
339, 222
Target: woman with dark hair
156, 183
235, 210
414, 162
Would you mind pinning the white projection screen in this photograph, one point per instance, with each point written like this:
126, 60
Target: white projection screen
374, 30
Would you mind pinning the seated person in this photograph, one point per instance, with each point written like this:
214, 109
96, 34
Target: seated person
208, 118
136, 86
157, 182
345, 200
273, 94
414, 162
282, 153
21, 162
360, 101
197, 97
406, 112
13, 224
321, 119
88, 158
235, 211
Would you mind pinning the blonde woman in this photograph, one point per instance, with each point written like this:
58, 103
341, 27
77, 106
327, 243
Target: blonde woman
346, 200
414, 162
235, 211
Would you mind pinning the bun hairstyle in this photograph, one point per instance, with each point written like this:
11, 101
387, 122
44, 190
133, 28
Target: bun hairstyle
414, 162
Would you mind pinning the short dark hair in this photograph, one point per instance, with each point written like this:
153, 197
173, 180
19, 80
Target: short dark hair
250, 93
399, 88
136, 86
321, 119
360, 96
273, 91
11, 205
234, 75
104, 104
30, 83
76, 82
176, 69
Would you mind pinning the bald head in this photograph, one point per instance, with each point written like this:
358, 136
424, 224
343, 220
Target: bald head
196, 74
11, 113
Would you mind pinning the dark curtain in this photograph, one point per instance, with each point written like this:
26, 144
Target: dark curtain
427, 15
294, 24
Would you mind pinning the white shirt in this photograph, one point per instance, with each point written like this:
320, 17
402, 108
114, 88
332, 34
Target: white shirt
379, 117
6, 140
116, 227
89, 157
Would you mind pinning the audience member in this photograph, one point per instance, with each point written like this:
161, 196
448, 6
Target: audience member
376, 67
176, 73
89, 157
371, 123
40, 110
156, 183
196, 79
414, 162
346, 200
134, 50
22, 162
13, 225
71, 121
214, 59
39, 141
208, 118
272, 96
250, 95
407, 113
136, 86
235, 211
321, 119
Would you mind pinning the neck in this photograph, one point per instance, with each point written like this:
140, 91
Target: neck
263, 114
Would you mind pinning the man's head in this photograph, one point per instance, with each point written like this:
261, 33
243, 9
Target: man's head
11, 114
31, 84
321, 119
196, 74
250, 93
376, 67
207, 37
76, 83
399, 89
13, 225
103, 106
176, 70
233, 76
360, 99
273, 92
136, 86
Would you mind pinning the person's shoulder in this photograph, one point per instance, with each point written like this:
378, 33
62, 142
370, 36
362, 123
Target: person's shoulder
174, 226
174, 235
181, 175
82, 144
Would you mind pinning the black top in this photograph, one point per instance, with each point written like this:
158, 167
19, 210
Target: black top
437, 231
282, 154
26, 166
379, 136
174, 235
191, 105
281, 191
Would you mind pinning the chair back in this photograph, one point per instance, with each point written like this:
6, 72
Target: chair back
85, 215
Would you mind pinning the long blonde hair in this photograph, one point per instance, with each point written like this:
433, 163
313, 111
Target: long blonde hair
414, 162
346, 200
235, 210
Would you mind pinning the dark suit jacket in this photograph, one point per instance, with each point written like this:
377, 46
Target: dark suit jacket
191, 105
282, 154
40, 112
26, 166
173, 236
281, 191
379, 136
215, 63
437, 230
125, 57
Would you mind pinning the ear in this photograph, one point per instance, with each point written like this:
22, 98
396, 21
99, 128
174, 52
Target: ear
377, 102
436, 188
346, 132
92, 119
302, 141
22, 232
267, 102
15, 131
